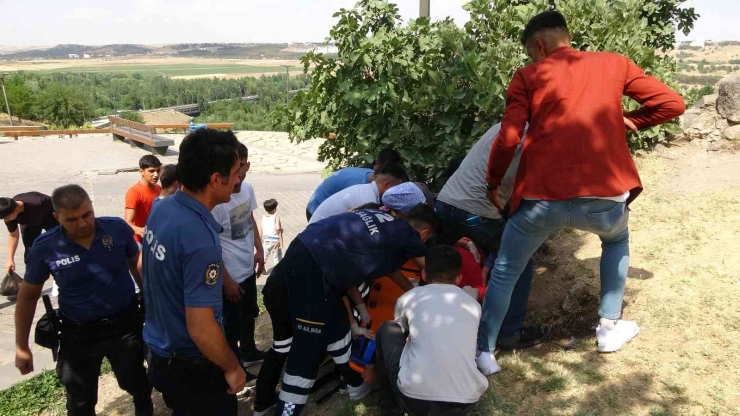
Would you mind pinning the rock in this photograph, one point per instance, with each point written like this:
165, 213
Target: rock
706, 121
732, 133
688, 117
707, 101
728, 98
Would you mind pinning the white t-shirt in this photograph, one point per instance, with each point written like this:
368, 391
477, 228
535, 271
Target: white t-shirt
345, 200
438, 361
269, 231
237, 238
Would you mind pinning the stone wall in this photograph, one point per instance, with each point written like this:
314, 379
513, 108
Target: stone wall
715, 119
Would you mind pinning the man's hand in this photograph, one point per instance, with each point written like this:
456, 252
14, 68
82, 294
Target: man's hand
485, 273
493, 197
232, 291
629, 124
259, 262
10, 266
361, 332
24, 361
236, 380
364, 315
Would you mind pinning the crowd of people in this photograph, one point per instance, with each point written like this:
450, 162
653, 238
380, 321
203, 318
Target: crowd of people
194, 249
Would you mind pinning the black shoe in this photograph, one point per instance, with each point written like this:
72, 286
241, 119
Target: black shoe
254, 357
527, 337
143, 406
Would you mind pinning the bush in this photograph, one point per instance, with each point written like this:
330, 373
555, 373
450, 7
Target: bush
693, 94
134, 116
431, 89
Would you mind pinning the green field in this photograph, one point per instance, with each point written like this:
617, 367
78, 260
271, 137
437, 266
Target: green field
173, 70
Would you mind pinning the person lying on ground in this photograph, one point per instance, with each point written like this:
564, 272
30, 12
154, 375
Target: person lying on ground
423, 356
303, 296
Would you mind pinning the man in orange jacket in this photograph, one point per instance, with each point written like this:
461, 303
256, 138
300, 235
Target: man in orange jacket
576, 170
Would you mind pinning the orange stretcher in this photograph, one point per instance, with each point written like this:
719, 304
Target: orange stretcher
382, 299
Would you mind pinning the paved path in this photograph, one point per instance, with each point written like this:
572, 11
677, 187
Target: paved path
44, 164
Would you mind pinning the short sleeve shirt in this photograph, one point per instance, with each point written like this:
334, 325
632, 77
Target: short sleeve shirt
182, 268
341, 179
140, 198
347, 199
38, 212
237, 237
93, 284
357, 246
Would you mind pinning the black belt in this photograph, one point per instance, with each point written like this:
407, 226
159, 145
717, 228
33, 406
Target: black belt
184, 363
125, 316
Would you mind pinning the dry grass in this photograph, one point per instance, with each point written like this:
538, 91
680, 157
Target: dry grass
683, 288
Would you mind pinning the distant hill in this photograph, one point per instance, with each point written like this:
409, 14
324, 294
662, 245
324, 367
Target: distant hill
205, 50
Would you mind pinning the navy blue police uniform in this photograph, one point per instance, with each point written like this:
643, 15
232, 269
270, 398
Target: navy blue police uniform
99, 313
183, 268
322, 263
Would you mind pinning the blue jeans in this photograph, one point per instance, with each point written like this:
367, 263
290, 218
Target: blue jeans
487, 232
528, 228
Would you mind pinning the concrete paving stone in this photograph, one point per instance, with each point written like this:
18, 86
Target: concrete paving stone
43, 164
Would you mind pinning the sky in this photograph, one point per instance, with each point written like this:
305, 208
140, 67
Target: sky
98, 22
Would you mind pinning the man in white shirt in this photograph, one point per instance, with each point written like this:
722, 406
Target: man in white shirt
386, 177
242, 254
433, 373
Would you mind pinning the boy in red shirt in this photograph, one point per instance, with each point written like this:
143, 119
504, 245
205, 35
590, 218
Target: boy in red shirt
138, 202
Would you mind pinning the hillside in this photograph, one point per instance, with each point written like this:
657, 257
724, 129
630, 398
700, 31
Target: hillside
707, 65
203, 50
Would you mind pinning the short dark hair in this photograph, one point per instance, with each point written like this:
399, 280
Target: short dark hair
7, 207
546, 20
443, 264
204, 152
392, 169
270, 205
168, 175
389, 155
422, 214
149, 161
242, 151
68, 197
369, 205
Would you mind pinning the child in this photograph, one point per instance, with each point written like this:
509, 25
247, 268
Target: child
138, 202
428, 374
272, 231
168, 181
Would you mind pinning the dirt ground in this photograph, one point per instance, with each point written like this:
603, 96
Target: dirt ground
682, 289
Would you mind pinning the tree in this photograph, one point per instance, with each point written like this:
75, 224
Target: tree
63, 106
20, 99
430, 89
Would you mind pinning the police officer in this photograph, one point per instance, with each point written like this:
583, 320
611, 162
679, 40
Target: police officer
90, 259
303, 296
190, 361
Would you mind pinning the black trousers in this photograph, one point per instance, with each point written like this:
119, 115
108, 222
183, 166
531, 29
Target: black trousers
81, 353
308, 323
239, 319
389, 343
29, 235
191, 386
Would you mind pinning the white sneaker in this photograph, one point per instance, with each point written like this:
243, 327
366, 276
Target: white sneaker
612, 339
358, 393
487, 364
246, 391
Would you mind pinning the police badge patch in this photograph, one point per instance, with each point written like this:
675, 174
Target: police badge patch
213, 273
107, 241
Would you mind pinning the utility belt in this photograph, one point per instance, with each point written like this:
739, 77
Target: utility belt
187, 367
49, 328
124, 318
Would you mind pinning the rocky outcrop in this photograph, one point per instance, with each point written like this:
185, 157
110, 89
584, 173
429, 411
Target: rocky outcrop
715, 118
728, 99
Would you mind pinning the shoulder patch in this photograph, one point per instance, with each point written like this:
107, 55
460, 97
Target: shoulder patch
213, 273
